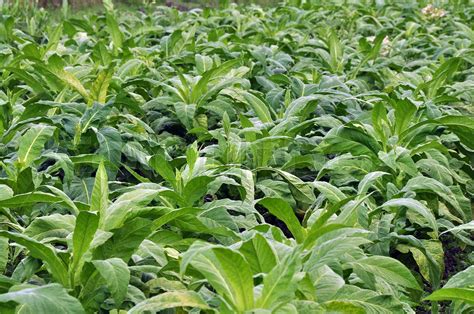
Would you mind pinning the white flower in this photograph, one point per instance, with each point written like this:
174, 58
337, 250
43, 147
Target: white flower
427, 10
386, 45
61, 49
441, 13
432, 12
81, 37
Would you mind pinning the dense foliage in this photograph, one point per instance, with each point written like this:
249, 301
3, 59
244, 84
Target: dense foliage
307, 158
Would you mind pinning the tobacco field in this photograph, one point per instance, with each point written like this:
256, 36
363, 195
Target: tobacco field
305, 157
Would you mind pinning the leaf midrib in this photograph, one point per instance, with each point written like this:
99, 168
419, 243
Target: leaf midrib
32, 143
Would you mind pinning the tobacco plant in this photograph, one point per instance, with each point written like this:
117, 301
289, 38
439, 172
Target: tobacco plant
305, 158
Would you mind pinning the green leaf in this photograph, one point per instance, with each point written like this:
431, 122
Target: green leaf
240, 284
301, 190
108, 5
441, 75
110, 144
331, 210
125, 240
417, 207
280, 209
84, 231
429, 185
344, 306
44, 252
378, 42
259, 254
329, 249
100, 191
28, 79
94, 116
464, 278
380, 121
185, 113
368, 180
353, 138
51, 226
5, 192
28, 199
163, 168
168, 300
203, 63
332, 193
262, 149
326, 282
404, 113
116, 214
116, 275
64, 198
300, 105
458, 288
57, 75
434, 249
454, 294
247, 182
51, 298
4, 252
198, 93
436, 170
174, 214
114, 30
195, 189
197, 248
317, 231
279, 285
218, 265
101, 85
462, 126
352, 212
367, 306
388, 269
466, 226
32, 142
258, 106
335, 51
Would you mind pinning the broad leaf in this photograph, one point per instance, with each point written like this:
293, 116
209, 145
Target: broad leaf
168, 300
32, 142
280, 209
44, 252
51, 298
389, 270
116, 275
86, 226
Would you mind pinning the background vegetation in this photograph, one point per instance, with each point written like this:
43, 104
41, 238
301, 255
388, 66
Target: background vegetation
308, 157
183, 4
